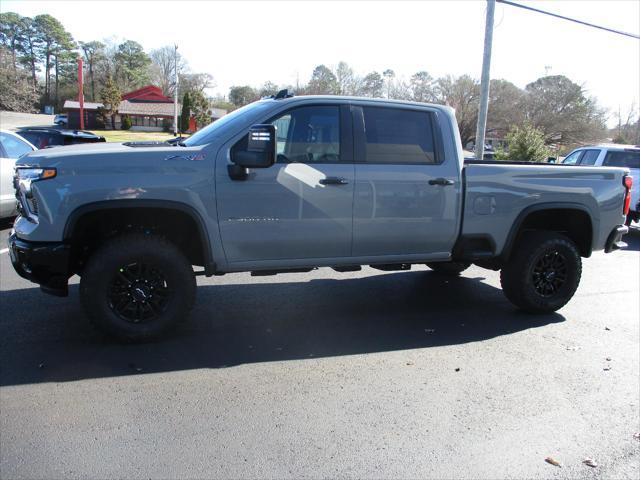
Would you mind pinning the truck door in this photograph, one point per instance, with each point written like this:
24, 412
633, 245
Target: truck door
301, 208
407, 193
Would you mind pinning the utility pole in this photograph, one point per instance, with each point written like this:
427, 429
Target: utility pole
80, 93
175, 91
484, 82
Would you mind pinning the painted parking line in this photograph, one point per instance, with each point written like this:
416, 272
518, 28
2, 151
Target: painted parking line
4, 250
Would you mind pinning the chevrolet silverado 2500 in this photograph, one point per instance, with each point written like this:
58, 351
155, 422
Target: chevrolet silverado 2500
289, 184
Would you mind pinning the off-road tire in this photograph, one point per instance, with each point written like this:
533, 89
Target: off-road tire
448, 268
169, 270
529, 284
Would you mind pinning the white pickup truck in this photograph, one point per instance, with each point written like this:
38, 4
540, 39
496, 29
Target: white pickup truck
612, 155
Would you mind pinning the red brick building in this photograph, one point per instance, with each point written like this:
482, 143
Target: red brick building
148, 109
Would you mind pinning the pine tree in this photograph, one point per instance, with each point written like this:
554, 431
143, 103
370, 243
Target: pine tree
111, 97
185, 115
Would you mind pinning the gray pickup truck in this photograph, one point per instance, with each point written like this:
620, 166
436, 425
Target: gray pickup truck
289, 184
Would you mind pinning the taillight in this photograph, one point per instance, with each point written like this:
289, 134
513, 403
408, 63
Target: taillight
627, 181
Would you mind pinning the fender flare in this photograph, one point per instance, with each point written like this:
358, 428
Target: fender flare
72, 220
515, 228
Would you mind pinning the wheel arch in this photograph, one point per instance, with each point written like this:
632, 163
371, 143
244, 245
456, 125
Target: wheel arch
572, 219
127, 205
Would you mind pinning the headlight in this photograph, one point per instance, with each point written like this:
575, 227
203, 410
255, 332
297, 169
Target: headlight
25, 176
34, 174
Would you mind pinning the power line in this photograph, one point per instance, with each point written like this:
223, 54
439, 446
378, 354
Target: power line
513, 4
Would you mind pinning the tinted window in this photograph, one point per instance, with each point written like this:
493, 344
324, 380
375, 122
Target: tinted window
622, 159
13, 146
42, 139
309, 134
398, 136
589, 157
573, 158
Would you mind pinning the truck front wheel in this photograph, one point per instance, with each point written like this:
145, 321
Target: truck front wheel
543, 273
136, 287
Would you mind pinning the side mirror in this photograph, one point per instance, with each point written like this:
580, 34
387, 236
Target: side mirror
261, 148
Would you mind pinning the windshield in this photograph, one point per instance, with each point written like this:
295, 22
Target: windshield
207, 134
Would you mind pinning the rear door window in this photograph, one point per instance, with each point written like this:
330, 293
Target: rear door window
394, 135
589, 157
628, 159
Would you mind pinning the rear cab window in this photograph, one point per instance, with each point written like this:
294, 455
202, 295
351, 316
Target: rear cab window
623, 158
394, 135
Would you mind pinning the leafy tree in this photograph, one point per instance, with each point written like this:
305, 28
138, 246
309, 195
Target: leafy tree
54, 40
560, 108
93, 53
526, 144
463, 94
507, 107
31, 45
131, 65
323, 82
185, 115
242, 95
372, 85
11, 27
111, 98
200, 108
422, 85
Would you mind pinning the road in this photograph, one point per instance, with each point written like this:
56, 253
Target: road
13, 120
359, 375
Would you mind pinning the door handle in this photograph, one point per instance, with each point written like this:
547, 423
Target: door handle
333, 181
441, 181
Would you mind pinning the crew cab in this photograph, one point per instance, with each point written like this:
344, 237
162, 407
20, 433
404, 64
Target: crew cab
290, 184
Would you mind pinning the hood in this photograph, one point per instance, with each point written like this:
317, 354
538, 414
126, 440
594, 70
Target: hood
103, 152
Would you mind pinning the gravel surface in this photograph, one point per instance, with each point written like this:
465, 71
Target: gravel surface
358, 375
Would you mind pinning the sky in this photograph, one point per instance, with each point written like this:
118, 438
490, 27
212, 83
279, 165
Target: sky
249, 42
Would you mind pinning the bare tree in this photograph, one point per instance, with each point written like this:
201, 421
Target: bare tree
163, 68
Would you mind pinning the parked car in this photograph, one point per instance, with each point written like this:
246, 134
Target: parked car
53, 137
351, 182
61, 119
12, 147
612, 155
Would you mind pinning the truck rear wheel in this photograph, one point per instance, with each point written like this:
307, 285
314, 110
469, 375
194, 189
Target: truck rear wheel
543, 273
448, 268
137, 287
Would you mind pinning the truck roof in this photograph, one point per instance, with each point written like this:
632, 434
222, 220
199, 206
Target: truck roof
612, 146
346, 99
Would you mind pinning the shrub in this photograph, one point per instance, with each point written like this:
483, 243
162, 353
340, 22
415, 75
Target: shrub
126, 123
524, 144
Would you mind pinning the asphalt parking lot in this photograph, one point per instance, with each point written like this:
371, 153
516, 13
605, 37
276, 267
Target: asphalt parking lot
341, 375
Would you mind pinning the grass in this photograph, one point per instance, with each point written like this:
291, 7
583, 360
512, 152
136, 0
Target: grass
132, 136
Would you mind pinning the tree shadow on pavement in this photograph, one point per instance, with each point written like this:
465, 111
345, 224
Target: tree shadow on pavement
47, 339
